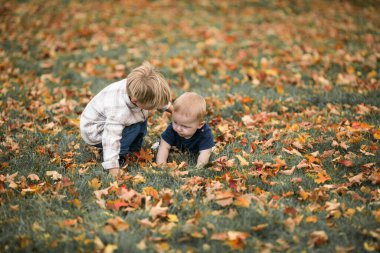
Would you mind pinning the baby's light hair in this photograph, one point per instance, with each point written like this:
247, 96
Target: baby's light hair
148, 86
190, 104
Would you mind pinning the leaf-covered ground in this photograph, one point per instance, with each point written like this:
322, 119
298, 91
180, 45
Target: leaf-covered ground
293, 96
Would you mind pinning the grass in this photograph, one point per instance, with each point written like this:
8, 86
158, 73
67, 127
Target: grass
306, 73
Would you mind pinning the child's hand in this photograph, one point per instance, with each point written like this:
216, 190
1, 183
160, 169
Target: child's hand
115, 172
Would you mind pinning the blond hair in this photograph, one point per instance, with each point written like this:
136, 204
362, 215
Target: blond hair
148, 86
190, 104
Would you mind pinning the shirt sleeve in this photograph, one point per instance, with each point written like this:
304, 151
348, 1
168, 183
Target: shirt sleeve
111, 137
207, 140
168, 135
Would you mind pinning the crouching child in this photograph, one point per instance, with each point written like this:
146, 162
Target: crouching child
188, 130
115, 120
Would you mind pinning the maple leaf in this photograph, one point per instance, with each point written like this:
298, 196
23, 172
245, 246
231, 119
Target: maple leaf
358, 179
317, 238
116, 204
259, 227
223, 198
243, 201
288, 172
118, 224
322, 177
242, 160
33, 177
94, 183
110, 248
375, 177
54, 174
158, 211
376, 134
147, 223
311, 219
151, 192
223, 163
138, 179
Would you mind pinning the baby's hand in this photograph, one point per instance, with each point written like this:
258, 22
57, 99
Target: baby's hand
115, 172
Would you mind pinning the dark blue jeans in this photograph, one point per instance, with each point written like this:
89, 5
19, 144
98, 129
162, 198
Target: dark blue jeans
132, 138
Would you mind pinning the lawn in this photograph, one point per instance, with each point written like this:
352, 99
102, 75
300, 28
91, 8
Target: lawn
293, 96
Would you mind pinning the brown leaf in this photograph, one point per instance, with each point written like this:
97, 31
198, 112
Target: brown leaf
118, 224
347, 163
259, 227
158, 211
288, 172
317, 238
358, 179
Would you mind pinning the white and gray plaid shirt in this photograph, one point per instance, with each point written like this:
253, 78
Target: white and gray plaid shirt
105, 117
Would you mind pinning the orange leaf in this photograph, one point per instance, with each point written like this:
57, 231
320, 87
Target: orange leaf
347, 163
322, 177
260, 227
376, 134
242, 201
150, 191
116, 204
312, 219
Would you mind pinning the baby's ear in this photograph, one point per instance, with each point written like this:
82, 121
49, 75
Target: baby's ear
201, 124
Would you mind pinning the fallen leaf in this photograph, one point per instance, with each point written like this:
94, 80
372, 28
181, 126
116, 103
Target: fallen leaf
288, 172
311, 219
54, 174
33, 177
317, 238
158, 211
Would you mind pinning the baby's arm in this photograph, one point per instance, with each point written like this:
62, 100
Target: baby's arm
203, 157
163, 152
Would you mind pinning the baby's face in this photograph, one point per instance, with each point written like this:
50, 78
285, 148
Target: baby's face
184, 125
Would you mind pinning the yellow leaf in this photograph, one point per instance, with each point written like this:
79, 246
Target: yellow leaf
242, 160
368, 246
138, 179
110, 248
94, 183
376, 135
172, 218
76, 202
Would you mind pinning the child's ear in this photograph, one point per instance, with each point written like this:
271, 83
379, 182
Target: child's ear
201, 124
134, 100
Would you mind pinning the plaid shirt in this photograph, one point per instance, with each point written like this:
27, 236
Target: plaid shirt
105, 117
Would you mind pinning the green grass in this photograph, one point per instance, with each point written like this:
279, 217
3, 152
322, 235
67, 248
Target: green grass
261, 59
